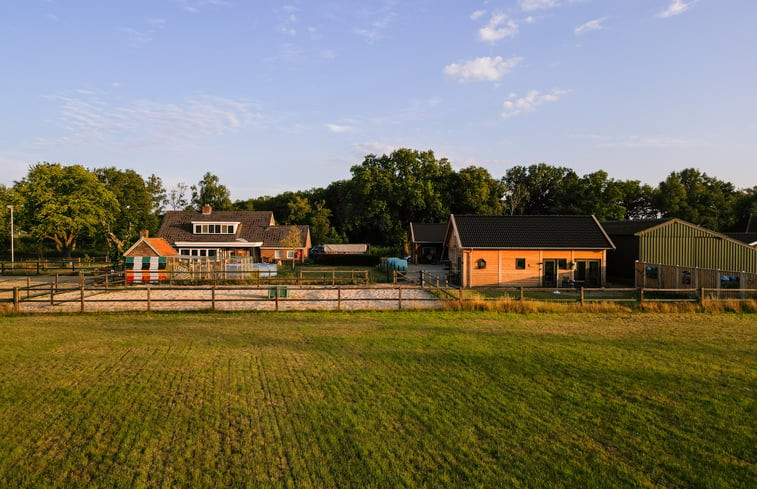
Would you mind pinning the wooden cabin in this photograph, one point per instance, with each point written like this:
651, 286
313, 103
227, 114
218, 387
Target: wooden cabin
527, 251
427, 242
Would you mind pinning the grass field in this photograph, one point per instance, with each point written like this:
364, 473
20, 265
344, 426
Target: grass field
414, 399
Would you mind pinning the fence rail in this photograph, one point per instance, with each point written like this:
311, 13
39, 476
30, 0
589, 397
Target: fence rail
90, 292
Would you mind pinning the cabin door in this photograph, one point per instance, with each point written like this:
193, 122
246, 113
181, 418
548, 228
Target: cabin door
549, 279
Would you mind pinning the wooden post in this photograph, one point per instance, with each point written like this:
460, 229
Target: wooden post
81, 279
641, 295
276, 296
581, 295
16, 300
81, 296
106, 280
299, 277
149, 306
28, 285
37, 267
338, 298
56, 282
399, 297
421, 274
333, 277
52, 294
700, 296
521, 294
213, 298
394, 276
460, 293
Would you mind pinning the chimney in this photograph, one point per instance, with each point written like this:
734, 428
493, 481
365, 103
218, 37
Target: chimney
144, 233
206, 210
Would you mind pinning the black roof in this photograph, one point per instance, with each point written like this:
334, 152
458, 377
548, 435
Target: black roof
535, 232
629, 228
747, 238
424, 232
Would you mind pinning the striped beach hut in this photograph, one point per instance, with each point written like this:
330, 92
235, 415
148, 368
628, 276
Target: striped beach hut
146, 261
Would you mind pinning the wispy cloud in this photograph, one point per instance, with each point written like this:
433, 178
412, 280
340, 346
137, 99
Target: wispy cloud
592, 25
499, 27
375, 147
93, 120
378, 20
477, 14
530, 5
676, 7
482, 69
194, 6
339, 129
660, 142
288, 19
528, 103
136, 38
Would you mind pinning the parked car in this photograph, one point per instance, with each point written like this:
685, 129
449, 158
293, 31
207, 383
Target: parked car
315, 251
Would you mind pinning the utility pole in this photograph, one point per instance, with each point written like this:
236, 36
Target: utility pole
13, 257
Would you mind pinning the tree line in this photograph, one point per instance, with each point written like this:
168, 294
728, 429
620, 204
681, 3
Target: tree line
104, 209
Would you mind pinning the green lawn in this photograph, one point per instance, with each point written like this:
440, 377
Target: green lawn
414, 399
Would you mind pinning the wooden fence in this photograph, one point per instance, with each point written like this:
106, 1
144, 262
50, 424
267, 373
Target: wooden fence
669, 276
89, 294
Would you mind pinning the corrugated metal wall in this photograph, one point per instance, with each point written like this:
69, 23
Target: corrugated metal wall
682, 245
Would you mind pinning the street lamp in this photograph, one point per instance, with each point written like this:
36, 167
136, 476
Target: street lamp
13, 258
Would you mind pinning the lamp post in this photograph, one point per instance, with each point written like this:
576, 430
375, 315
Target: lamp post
13, 258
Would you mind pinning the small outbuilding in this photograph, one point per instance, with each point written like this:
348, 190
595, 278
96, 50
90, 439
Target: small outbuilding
527, 251
427, 242
146, 260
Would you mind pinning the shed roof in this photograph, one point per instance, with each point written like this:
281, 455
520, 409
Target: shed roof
159, 245
533, 232
177, 225
631, 227
424, 232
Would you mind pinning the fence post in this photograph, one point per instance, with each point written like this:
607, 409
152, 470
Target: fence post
333, 277
28, 285
81, 279
421, 279
37, 267
106, 280
81, 296
399, 297
641, 295
581, 292
394, 276
16, 300
213, 298
2, 267
56, 282
338, 298
700, 296
149, 306
276, 296
460, 293
521, 294
52, 294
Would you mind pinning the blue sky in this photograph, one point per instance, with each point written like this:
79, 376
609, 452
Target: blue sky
287, 95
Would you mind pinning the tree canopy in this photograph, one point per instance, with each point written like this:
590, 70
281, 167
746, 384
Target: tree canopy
60, 202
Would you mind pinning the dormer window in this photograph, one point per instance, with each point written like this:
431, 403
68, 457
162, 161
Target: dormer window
215, 227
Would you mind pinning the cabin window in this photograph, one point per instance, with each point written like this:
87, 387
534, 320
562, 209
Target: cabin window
277, 254
729, 282
520, 263
562, 264
686, 277
481, 263
651, 272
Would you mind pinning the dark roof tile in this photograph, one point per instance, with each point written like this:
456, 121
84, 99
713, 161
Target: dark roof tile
535, 232
424, 232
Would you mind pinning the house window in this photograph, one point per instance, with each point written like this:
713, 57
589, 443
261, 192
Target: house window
562, 264
215, 228
290, 254
520, 263
185, 252
277, 254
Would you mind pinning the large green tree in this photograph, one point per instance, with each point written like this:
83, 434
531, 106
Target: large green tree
60, 202
474, 191
136, 204
390, 191
698, 198
210, 191
542, 189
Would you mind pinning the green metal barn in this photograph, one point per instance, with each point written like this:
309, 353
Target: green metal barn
675, 253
